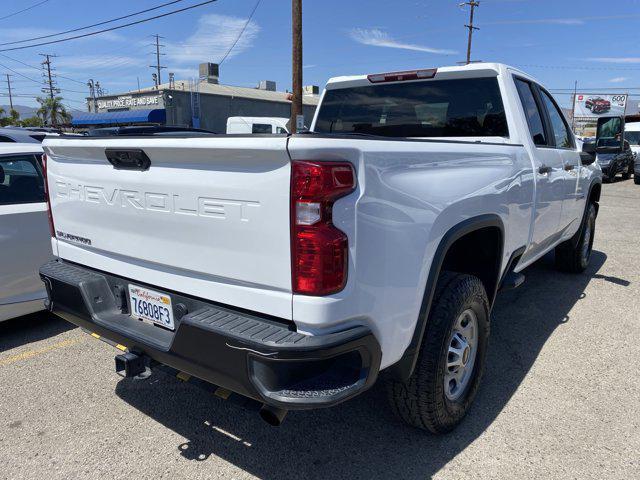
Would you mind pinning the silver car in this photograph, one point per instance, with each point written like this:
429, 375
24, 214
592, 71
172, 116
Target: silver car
25, 241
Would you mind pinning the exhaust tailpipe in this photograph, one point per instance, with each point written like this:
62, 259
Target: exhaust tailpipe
274, 416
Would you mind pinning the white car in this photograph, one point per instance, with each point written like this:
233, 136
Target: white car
25, 239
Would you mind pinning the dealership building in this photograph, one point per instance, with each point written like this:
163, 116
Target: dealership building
204, 103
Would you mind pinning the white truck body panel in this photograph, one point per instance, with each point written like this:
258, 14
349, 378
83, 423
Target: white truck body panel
211, 217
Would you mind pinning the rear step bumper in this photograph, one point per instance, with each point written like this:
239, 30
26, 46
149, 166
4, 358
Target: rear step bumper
261, 358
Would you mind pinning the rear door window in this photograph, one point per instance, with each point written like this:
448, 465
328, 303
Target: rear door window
532, 112
560, 128
436, 108
261, 128
20, 180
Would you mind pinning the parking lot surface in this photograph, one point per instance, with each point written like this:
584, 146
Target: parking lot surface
560, 397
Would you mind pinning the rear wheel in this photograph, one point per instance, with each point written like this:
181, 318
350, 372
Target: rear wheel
627, 174
575, 258
451, 360
636, 179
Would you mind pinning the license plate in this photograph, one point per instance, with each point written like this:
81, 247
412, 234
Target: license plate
152, 306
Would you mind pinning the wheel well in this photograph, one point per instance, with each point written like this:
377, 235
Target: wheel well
478, 253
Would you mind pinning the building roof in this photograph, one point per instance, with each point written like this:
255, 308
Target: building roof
230, 91
157, 115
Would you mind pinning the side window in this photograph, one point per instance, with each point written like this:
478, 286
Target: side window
532, 112
261, 128
558, 123
20, 180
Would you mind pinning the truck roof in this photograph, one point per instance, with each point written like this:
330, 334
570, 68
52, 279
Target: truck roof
472, 70
11, 148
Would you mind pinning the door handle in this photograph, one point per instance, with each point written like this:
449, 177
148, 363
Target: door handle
568, 168
544, 169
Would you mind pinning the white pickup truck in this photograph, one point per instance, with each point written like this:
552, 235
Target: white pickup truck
294, 269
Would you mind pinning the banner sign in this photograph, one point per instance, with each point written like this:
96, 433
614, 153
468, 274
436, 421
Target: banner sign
595, 105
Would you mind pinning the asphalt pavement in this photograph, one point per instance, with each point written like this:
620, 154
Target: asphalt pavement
560, 397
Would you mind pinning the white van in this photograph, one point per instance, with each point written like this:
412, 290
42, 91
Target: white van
257, 125
632, 135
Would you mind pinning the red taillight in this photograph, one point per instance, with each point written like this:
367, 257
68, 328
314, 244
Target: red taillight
52, 228
402, 76
319, 250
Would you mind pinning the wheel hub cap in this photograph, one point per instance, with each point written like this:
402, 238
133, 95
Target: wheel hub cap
461, 355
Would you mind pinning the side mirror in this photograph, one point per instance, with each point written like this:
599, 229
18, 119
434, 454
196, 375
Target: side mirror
588, 154
610, 135
589, 147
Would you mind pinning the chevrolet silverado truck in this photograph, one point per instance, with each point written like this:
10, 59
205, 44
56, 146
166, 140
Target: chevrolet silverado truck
298, 269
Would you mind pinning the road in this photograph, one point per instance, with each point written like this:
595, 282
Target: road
560, 397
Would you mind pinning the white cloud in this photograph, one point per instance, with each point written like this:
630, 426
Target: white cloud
619, 79
97, 62
379, 38
615, 59
214, 36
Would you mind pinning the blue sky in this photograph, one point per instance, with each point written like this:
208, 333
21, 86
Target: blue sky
590, 41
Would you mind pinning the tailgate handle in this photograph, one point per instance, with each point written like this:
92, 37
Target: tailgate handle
128, 159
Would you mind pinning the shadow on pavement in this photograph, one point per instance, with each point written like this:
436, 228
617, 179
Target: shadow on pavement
31, 328
361, 438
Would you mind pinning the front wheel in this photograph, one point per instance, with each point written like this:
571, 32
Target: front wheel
451, 360
575, 257
636, 179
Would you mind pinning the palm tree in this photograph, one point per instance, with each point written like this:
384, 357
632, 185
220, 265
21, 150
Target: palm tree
53, 111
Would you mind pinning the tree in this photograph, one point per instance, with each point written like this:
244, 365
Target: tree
31, 122
52, 111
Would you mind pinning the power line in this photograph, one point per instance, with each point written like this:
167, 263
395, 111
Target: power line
117, 27
91, 26
35, 68
23, 10
241, 33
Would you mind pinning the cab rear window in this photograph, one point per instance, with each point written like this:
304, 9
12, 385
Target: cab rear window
436, 108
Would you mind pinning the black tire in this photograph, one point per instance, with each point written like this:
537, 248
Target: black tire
574, 257
421, 401
636, 180
627, 174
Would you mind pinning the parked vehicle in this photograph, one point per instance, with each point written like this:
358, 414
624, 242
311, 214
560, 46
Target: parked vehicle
240, 125
612, 159
293, 270
598, 105
20, 135
25, 242
632, 135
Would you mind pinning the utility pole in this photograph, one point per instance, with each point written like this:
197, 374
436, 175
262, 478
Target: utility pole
473, 4
9, 86
296, 98
157, 66
92, 94
49, 78
50, 86
573, 107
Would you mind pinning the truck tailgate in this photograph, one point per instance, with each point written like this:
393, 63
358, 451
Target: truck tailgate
208, 218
